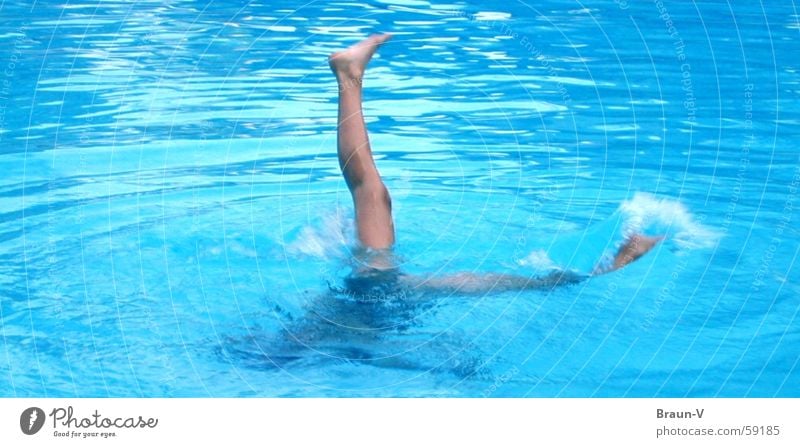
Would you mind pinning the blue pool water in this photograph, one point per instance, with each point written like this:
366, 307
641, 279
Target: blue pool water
173, 221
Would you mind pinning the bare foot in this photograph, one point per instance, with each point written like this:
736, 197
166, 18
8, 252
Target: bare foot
633, 249
350, 64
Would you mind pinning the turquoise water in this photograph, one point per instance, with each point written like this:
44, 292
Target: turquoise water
173, 221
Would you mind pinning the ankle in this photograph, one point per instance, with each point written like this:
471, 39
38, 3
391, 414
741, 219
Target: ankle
349, 82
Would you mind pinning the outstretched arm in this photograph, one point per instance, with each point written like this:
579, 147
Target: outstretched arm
477, 284
474, 283
634, 248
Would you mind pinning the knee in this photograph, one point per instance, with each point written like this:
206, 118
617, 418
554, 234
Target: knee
374, 192
380, 193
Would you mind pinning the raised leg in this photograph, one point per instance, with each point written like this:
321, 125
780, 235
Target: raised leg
373, 206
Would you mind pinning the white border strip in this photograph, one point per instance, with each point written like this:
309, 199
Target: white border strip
403, 422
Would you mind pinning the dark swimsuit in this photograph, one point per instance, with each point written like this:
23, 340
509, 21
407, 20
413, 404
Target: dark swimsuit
374, 284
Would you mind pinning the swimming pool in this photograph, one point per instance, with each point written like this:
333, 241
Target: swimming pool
174, 223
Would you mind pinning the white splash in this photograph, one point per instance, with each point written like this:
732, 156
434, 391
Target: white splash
587, 249
326, 240
539, 261
647, 214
